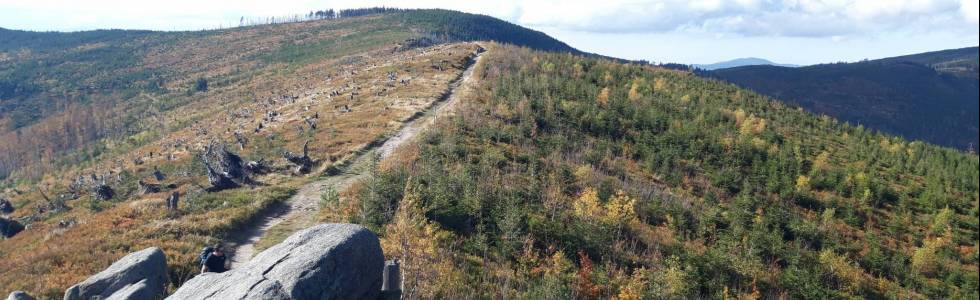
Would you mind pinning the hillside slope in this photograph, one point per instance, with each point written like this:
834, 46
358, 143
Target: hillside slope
569, 177
104, 84
553, 176
929, 96
91, 177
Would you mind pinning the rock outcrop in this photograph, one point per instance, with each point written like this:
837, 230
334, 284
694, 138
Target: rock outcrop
327, 261
138, 275
19, 295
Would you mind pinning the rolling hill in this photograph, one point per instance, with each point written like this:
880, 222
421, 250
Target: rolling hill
740, 62
929, 96
553, 174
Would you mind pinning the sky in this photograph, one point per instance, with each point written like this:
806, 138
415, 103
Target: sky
682, 31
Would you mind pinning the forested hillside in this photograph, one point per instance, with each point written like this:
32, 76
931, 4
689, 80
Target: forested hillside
569, 177
929, 96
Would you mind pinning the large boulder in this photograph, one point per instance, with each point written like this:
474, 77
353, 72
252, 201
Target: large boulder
138, 275
327, 261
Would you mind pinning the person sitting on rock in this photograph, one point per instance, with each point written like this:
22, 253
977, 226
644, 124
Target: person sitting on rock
215, 261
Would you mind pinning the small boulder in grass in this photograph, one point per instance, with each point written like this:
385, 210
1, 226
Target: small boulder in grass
19, 295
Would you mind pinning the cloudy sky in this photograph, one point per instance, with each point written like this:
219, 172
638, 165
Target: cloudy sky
685, 31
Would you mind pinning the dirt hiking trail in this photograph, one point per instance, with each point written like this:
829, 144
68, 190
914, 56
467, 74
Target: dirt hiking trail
301, 209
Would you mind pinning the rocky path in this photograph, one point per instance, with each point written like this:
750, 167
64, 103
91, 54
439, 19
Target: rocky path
300, 210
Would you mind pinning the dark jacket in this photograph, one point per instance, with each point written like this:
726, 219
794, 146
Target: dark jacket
216, 263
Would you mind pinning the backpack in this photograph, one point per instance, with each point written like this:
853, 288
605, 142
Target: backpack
205, 253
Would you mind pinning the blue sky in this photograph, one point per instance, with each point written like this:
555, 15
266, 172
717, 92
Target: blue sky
685, 31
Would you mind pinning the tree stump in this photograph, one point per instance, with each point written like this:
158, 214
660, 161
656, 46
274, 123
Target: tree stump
104, 192
172, 201
9, 227
225, 169
157, 174
144, 188
303, 163
6, 207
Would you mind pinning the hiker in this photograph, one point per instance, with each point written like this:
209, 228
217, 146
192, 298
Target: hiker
213, 259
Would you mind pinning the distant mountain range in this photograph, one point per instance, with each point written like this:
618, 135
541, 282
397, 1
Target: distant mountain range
739, 62
928, 96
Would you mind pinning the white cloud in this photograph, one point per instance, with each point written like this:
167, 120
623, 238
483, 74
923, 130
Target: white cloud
754, 17
790, 18
970, 10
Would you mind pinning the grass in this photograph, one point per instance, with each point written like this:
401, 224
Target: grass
48, 259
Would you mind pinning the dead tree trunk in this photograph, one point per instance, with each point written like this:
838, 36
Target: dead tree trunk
219, 181
225, 169
257, 167
157, 174
144, 188
303, 163
172, 201
240, 139
311, 122
104, 192
9, 227
6, 207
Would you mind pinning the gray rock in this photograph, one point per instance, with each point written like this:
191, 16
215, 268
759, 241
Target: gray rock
139, 290
138, 275
327, 261
19, 295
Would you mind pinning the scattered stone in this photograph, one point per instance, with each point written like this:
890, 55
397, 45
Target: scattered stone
138, 275
19, 295
327, 261
66, 223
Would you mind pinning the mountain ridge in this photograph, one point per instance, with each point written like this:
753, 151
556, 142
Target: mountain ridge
928, 96
739, 62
